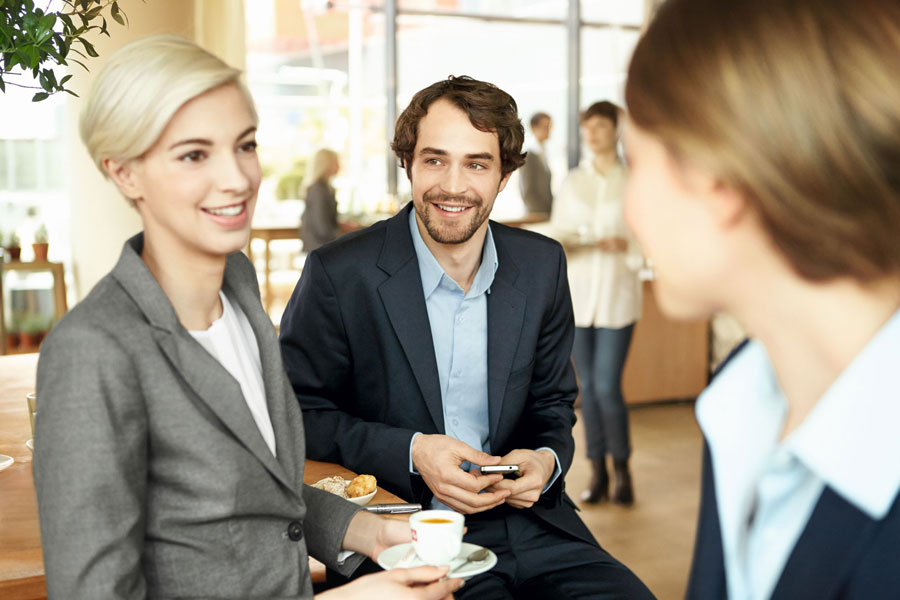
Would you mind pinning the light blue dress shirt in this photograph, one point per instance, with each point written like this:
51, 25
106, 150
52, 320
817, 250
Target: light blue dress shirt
766, 488
459, 328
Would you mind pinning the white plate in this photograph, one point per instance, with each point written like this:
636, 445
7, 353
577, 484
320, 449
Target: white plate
363, 500
30, 444
5, 461
390, 558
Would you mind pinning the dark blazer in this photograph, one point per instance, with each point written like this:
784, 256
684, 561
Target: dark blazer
319, 222
357, 346
842, 553
152, 477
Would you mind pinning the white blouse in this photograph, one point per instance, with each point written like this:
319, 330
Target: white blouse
231, 341
606, 289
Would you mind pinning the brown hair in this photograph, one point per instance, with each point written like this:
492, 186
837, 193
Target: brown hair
489, 109
795, 104
605, 109
536, 119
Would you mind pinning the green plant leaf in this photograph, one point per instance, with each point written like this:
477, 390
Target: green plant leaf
116, 14
68, 25
40, 96
47, 21
2, 86
65, 79
89, 48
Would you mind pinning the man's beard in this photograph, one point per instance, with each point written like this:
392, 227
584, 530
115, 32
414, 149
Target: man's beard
458, 233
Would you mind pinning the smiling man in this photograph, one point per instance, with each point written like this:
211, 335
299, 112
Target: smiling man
438, 341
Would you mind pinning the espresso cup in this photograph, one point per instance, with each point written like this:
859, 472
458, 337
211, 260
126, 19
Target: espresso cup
437, 535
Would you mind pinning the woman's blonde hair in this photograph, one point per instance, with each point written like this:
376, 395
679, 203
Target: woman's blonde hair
796, 104
141, 87
319, 167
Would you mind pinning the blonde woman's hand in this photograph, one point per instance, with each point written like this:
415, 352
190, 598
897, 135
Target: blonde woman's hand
420, 583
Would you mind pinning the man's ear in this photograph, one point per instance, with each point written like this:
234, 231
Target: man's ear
503, 182
122, 173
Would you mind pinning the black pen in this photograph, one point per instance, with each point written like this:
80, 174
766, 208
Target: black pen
399, 508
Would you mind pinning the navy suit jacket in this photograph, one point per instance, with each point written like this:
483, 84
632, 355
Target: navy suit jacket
357, 346
841, 554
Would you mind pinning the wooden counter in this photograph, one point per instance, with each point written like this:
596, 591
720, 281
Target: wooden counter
668, 359
21, 560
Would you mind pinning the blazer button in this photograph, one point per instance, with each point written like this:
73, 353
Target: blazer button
295, 531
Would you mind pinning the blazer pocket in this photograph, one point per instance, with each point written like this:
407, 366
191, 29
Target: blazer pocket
520, 377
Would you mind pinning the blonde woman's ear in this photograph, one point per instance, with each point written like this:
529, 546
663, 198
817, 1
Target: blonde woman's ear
122, 173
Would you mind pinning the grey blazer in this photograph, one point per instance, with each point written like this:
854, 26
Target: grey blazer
152, 477
319, 222
534, 184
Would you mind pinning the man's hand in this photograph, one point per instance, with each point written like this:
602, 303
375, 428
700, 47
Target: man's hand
437, 459
536, 469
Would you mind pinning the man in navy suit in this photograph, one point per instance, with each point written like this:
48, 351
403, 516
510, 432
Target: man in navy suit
437, 341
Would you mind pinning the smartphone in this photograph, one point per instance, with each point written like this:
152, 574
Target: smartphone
507, 470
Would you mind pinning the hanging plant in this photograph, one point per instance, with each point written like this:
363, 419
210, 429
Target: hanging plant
35, 39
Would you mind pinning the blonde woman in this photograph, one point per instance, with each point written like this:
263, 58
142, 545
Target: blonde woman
765, 182
170, 449
603, 264
319, 223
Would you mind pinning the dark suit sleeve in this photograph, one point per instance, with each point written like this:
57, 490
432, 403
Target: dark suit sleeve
90, 465
550, 415
320, 364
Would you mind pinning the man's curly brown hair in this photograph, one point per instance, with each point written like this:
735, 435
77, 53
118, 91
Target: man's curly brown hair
489, 109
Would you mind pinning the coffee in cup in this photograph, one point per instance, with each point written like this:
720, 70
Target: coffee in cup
437, 535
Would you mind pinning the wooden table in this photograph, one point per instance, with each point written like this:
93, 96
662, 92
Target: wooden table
21, 560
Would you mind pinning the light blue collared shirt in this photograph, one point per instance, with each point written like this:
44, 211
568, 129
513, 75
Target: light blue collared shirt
766, 489
459, 328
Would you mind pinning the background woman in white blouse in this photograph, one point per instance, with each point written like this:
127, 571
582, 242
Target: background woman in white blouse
606, 295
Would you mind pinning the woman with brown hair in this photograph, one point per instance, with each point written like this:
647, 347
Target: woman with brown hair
603, 263
764, 153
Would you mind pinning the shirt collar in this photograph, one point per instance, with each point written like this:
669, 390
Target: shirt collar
432, 273
849, 439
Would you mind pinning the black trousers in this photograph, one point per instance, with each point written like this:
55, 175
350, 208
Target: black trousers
534, 561
537, 561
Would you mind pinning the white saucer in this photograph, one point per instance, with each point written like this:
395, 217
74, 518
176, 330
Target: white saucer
5, 461
391, 558
30, 444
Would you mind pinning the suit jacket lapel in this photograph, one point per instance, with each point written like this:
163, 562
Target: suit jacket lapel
505, 314
837, 532
245, 292
211, 382
405, 305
